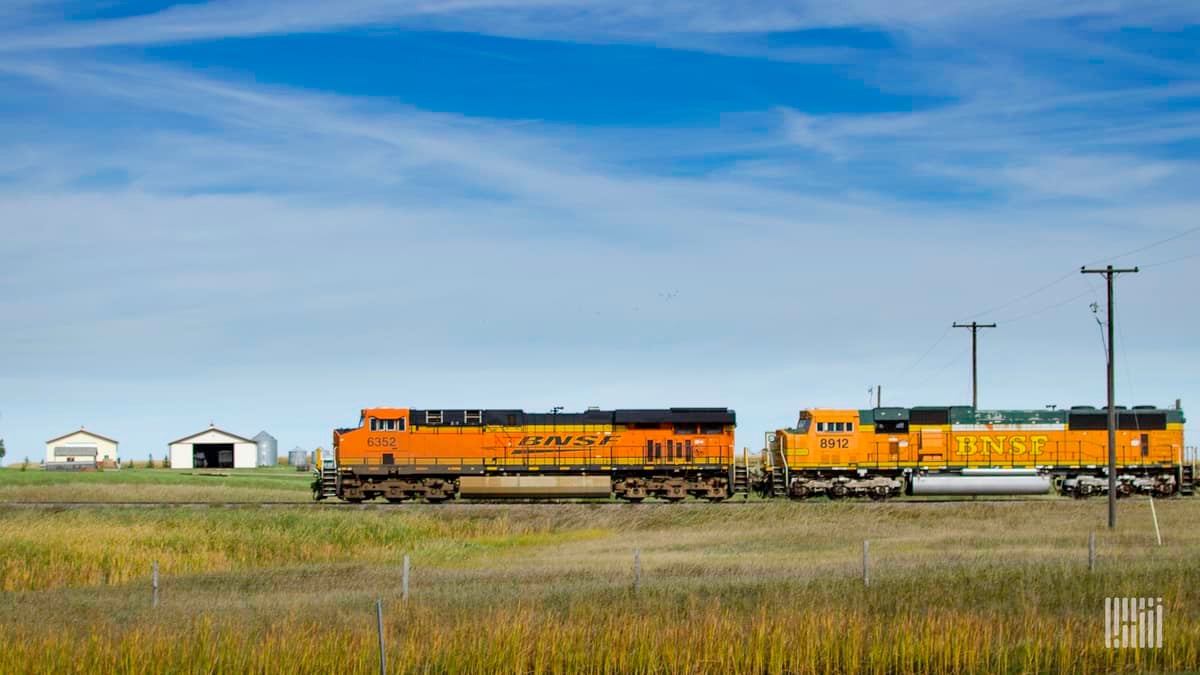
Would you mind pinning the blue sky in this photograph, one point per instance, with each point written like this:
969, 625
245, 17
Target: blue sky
270, 214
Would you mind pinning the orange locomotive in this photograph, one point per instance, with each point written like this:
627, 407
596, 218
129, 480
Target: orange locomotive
959, 450
402, 453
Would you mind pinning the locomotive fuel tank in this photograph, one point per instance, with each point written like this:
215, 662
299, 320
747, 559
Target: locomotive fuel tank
981, 482
532, 487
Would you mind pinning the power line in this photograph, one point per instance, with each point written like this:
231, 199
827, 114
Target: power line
1028, 295
1026, 315
1040, 289
1126, 370
927, 352
923, 355
1068, 275
1147, 247
1171, 260
929, 375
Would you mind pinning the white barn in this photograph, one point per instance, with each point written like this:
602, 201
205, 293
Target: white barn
213, 448
81, 447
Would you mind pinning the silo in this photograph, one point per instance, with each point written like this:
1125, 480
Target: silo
298, 457
268, 449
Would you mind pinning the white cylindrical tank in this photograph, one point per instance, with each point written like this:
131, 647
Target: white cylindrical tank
268, 449
298, 457
982, 482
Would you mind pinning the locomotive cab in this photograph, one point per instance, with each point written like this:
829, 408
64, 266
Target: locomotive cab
378, 436
820, 436
830, 453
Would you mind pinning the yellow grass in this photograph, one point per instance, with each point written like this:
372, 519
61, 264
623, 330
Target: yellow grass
762, 588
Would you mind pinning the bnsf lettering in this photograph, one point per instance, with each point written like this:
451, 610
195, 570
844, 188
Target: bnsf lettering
1000, 445
581, 441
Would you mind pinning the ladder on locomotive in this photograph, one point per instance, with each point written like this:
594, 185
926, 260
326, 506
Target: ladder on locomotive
741, 475
328, 474
1187, 478
778, 472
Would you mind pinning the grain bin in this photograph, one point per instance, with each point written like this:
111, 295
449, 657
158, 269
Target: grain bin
298, 457
268, 449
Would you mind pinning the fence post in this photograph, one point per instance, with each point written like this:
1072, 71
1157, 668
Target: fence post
404, 582
1091, 551
1154, 514
154, 582
379, 626
866, 571
637, 570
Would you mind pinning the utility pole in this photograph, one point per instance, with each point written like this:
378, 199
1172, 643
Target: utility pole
1109, 273
974, 358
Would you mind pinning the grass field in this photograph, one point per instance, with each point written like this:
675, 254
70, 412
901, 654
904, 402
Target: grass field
275, 484
762, 587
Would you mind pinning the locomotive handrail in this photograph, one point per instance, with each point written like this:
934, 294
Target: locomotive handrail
1061, 453
721, 455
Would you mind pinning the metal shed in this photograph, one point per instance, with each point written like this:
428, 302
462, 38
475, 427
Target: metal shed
80, 449
213, 448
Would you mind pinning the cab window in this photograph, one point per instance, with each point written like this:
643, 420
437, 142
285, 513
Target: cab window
387, 424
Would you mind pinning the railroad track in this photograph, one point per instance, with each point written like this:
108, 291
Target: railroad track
384, 506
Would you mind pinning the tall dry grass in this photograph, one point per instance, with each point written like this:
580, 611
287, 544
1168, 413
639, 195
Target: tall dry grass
770, 588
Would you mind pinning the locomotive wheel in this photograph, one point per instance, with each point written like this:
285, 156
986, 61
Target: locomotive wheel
837, 492
395, 500
879, 496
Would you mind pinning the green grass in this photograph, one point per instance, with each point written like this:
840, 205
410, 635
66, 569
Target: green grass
766, 587
284, 484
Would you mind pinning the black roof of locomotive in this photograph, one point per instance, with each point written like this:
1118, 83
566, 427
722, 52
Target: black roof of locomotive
516, 417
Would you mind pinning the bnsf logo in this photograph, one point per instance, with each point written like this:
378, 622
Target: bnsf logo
1000, 445
581, 441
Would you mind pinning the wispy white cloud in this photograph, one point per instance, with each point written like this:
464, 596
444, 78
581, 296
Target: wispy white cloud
594, 20
236, 230
287, 141
1099, 145
1108, 177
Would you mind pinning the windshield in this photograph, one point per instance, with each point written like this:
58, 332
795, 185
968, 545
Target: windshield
802, 425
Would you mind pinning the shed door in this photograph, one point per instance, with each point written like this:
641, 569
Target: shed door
73, 453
